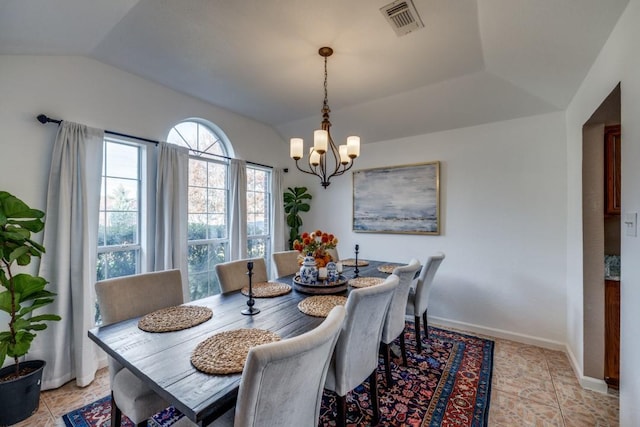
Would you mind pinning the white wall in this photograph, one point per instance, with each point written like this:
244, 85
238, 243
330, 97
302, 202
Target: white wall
86, 91
503, 208
619, 61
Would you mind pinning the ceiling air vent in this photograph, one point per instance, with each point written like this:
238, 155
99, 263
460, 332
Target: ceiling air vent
403, 16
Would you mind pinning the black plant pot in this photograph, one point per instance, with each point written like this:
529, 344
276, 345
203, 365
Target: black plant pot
19, 398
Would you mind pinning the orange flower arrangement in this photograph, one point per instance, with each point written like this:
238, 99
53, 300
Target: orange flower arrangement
316, 243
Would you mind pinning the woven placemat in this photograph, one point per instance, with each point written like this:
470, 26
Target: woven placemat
352, 262
320, 305
267, 289
226, 352
174, 318
387, 268
363, 282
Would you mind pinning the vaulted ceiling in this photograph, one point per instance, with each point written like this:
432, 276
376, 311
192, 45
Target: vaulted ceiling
474, 62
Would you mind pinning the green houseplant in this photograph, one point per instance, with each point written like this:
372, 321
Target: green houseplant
295, 201
22, 294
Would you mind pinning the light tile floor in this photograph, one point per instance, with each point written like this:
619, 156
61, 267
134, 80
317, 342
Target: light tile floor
531, 386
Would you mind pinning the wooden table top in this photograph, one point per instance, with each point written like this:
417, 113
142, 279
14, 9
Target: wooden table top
162, 360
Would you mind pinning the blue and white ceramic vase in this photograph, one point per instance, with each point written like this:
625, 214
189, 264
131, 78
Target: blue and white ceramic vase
332, 272
309, 272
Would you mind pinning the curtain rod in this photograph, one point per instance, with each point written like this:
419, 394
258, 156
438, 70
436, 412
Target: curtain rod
44, 120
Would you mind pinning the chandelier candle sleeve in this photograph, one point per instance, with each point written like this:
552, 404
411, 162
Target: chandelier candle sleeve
320, 141
296, 148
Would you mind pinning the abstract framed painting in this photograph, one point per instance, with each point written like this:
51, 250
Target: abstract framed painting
400, 199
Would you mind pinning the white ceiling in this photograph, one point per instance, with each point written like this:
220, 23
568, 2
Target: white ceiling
474, 62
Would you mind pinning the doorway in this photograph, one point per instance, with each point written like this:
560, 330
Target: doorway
601, 240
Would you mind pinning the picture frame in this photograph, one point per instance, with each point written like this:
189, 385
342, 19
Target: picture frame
398, 199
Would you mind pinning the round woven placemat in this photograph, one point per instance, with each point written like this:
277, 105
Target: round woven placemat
174, 318
226, 352
267, 289
387, 268
363, 282
320, 305
352, 262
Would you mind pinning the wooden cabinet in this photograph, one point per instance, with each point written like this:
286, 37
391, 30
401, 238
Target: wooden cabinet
612, 170
612, 332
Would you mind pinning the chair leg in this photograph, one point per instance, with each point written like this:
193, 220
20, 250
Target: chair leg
116, 414
373, 390
341, 416
418, 333
403, 349
387, 364
426, 332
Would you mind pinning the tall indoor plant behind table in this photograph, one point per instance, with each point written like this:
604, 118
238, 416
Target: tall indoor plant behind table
21, 294
295, 201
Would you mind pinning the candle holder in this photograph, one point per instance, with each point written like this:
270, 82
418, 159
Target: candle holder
356, 272
250, 302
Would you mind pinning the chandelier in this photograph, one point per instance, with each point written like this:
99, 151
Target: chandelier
326, 160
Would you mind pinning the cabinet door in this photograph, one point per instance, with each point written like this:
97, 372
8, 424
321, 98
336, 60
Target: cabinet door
612, 169
612, 332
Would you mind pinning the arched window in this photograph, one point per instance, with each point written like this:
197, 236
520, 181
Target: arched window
208, 210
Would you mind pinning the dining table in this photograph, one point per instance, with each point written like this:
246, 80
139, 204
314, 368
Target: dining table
163, 360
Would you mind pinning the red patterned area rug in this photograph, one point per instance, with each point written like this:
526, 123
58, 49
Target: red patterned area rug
449, 384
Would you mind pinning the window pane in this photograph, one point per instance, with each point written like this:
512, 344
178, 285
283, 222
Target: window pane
208, 141
121, 228
122, 194
217, 201
122, 161
197, 200
257, 248
217, 175
197, 227
217, 226
117, 264
198, 172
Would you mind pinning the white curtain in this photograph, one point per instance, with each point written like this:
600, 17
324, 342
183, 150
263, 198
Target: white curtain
277, 211
171, 211
238, 208
71, 230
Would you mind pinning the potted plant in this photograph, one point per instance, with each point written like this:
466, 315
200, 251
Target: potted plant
22, 294
295, 201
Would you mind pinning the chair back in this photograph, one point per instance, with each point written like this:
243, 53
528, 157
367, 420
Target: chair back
356, 353
232, 275
425, 281
335, 256
127, 297
285, 262
282, 382
394, 321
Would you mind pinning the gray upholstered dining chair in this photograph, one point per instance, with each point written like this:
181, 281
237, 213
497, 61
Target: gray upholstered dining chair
335, 256
233, 274
418, 298
124, 298
356, 355
285, 262
394, 323
282, 382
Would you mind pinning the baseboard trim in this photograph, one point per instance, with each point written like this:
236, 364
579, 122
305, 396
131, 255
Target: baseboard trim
498, 333
589, 383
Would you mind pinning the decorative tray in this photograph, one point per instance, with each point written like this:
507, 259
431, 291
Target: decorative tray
321, 287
